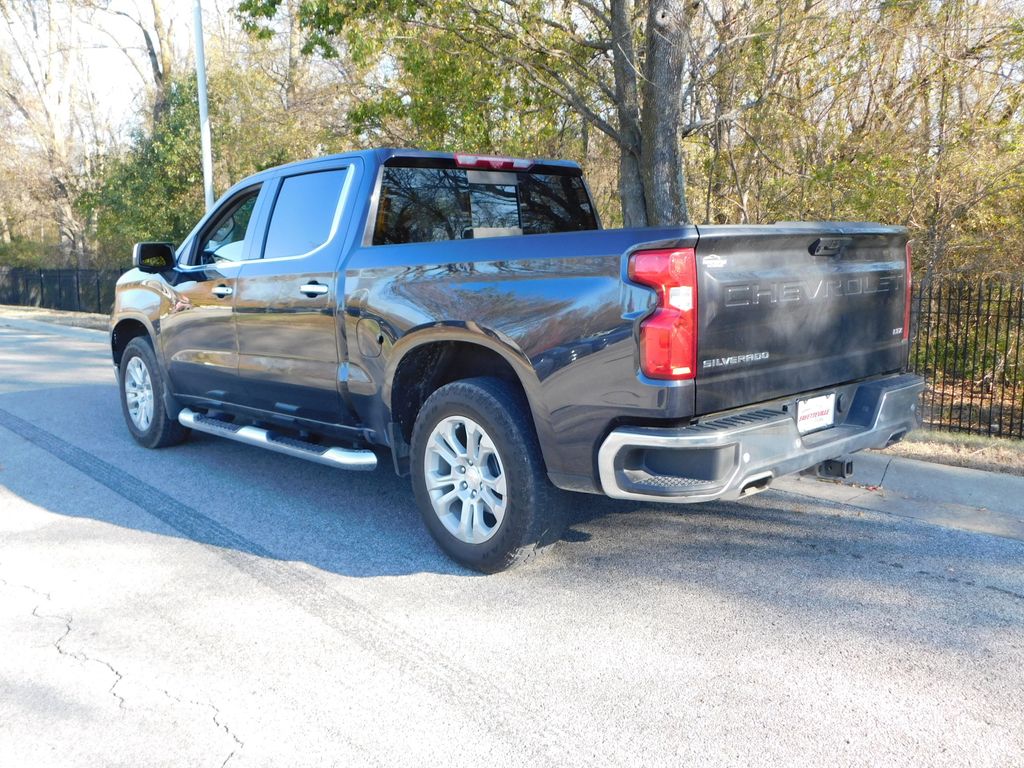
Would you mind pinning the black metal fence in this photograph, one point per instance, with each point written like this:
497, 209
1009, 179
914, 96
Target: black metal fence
969, 348
77, 290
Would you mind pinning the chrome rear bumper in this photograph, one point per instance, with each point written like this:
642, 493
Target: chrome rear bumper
740, 454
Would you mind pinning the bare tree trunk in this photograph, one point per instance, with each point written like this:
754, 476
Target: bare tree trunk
668, 40
294, 55
156, 43
161, 60
627, 102
937, 234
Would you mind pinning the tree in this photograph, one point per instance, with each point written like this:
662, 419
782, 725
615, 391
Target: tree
155, 31
154, 190
632, 69
907, 113
904, 112
52, 111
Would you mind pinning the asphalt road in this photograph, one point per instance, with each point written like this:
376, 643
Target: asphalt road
215, 604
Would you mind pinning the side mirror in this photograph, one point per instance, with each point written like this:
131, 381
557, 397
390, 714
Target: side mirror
153, 257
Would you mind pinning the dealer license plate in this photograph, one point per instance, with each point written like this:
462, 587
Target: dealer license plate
815, 413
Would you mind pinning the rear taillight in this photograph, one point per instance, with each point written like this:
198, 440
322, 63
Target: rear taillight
909, 282
668, 337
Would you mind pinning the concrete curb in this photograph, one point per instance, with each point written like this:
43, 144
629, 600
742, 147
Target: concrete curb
969, 499
88, 320
26, 325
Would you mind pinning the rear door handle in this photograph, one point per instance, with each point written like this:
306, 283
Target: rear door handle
222, 291
313, 289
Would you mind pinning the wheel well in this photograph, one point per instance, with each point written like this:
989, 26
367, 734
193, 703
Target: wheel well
431, 366
125, 331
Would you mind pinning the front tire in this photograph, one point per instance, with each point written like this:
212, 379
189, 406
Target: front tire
479, 477
142, 387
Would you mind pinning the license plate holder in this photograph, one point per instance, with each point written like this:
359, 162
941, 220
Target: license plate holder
814, 413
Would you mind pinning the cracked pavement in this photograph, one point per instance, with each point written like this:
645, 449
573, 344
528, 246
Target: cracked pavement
58, 644
214, 605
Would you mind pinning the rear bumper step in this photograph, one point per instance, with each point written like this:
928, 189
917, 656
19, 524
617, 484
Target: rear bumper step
331, 456
741, 454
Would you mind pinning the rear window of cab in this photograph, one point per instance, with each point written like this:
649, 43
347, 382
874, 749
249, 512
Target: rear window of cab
423, 205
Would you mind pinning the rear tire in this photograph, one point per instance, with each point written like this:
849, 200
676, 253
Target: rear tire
142, 388
479, 478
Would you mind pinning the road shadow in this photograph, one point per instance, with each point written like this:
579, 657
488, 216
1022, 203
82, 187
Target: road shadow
825, 565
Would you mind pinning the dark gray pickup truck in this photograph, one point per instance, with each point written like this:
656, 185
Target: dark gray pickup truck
468, 316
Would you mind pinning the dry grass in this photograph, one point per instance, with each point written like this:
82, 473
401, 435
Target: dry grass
993, 454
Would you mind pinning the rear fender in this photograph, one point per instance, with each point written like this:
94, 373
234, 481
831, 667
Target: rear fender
475, 334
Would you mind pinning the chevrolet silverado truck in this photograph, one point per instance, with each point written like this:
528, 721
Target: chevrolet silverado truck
468, 316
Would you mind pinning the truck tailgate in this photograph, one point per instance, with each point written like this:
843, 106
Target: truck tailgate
790, 308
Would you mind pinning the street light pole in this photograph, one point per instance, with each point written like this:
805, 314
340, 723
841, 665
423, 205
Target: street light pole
204, 111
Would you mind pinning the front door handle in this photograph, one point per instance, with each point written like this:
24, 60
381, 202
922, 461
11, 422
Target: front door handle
313, 289
222, 291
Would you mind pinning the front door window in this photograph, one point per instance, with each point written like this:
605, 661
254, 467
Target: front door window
224, 239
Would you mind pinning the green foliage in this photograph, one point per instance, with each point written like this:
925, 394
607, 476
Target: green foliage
440, 98
908, 113
154, 191
21, 252
334, 27
904, 112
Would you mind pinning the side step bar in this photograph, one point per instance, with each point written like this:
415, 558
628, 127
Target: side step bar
332, 456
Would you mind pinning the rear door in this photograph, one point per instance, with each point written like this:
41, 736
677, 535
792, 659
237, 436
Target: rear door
790, 308
286, 299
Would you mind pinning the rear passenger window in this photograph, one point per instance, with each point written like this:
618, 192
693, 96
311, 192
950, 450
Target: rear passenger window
304, 213
422, 205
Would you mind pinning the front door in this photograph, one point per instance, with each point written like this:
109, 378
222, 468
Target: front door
286, 301
197, 334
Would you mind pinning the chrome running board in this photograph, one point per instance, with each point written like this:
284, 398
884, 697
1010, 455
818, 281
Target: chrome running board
332, 456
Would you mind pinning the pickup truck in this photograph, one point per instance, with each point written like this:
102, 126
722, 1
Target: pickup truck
467, 315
